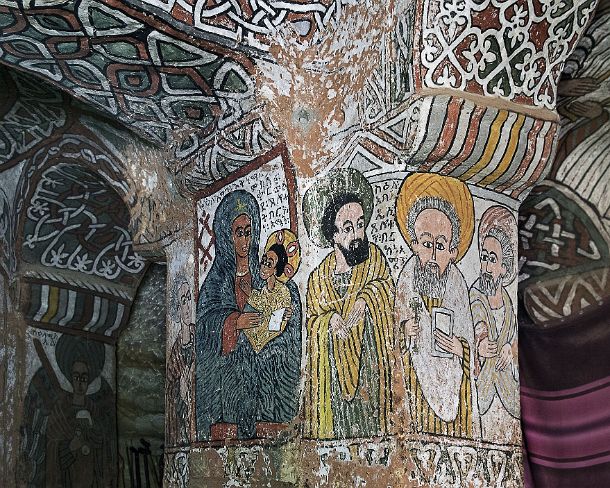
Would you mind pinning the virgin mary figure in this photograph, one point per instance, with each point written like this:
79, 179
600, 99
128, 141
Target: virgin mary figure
237, 385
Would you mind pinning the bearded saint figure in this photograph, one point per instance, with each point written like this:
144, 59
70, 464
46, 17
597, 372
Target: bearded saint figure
350, 296
496, 366
435, 215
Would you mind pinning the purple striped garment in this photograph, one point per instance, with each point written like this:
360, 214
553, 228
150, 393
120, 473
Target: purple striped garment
565, 401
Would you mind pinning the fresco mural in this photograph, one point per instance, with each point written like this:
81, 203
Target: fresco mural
77, 276
33, 111
248, 315
496, 369
435, 216
69, 429
76, 222
180, 329
349, 314
414, 295
75, 227
181, 369
366, 310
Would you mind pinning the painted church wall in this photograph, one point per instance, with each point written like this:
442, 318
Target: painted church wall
349, 381
68, 428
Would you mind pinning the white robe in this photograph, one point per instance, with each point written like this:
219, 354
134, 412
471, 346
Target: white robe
440, 378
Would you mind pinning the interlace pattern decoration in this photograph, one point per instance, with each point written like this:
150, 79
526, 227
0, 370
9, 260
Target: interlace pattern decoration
512, 49
30, 110
112, 60
560, 235
248, 22
75, 222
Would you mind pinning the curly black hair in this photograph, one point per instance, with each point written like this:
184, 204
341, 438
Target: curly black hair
330, 213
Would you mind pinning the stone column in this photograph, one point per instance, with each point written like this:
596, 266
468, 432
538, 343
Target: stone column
353, 285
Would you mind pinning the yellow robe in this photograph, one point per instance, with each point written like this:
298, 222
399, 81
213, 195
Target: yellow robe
371, 281
267, 302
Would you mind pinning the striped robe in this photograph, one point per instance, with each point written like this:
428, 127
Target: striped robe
371, 281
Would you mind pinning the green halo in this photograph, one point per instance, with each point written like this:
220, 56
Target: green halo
325, 190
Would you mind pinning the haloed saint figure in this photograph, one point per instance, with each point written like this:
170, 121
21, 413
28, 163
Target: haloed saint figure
435, 215
69, 437
245, 378
496, 364
349, 322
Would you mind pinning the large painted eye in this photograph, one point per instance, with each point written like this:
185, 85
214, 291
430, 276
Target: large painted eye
440, 246
427, 244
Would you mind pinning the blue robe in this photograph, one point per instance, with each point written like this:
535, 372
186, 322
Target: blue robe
241, 387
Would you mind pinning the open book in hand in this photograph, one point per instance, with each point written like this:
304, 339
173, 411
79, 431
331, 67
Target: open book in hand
275, 322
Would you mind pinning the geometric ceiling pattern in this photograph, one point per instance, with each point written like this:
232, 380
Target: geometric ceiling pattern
76, 222
79, 268
513, 50
250, 23
29, 113
153, 80
179, 73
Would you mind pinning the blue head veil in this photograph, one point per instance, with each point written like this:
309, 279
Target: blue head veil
217, 301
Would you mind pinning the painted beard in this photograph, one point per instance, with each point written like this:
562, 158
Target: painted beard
428, 281
356, 252
488, 286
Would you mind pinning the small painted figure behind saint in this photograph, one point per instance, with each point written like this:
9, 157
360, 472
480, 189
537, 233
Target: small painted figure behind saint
280, 260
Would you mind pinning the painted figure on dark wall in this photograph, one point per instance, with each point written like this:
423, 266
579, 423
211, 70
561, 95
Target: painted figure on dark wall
69, 437
435, 215
496, 366
350, 297
243, 383
180, 371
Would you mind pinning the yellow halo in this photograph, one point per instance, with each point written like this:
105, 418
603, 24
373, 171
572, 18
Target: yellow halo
289, 240
453, 191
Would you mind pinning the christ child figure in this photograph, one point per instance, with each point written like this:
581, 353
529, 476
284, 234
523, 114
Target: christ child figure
273, 301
